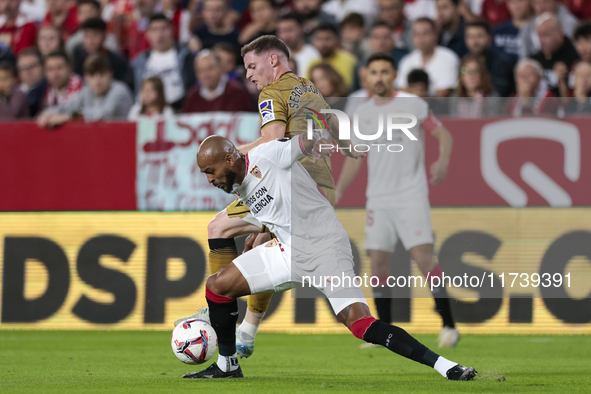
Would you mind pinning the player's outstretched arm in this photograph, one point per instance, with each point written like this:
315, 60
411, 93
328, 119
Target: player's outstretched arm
270, 133
439, 168
348, 173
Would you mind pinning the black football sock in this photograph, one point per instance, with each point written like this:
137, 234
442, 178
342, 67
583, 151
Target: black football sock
400, 342
383, 300
442, 302
384, 307
223, 313
443, 306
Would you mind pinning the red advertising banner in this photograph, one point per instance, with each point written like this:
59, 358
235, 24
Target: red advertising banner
76, 167
495, 162
505, 162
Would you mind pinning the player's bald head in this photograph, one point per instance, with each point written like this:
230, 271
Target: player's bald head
214, 149
223, 164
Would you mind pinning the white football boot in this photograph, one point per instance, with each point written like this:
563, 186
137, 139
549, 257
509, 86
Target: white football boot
202, 314
449, 337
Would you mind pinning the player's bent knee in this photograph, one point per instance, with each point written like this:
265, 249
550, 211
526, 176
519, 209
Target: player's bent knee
217, 285
359, 327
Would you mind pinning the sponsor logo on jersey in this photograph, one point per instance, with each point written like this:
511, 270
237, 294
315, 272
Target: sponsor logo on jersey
266, 110
256, 172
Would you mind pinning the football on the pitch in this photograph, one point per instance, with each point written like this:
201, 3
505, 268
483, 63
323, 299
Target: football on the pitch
194, 341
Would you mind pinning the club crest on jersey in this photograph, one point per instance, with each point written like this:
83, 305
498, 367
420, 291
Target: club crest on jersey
267, 111
256, 172
271, 243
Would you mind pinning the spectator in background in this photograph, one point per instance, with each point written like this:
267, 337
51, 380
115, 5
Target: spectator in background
495, 11
415, 9
478, 41
530, 43
360, 95
226, 55
291, 32
86, 9
214, 28
102, 98
475, 96
63, 84
330, 84
152, 102
380, 39
34, 10
94, 33
180, 18
6, 55
506, 37
441, 64
62, 15
583, 41
392, 12
312, 16
263, 21
49, 39
418, 84
13, 102
451, 23
533, 96
579, 8
327, 42
581, 101
173, 64
215, 91
352, 36
16, 31
339, 9
30, 72
557, 54
130, 25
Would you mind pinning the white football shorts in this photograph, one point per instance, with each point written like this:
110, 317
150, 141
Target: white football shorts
268, 268
411, 222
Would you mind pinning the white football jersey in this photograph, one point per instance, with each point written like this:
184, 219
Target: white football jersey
395, 177
281, 195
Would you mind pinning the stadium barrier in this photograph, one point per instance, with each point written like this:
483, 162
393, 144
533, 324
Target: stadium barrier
122, 167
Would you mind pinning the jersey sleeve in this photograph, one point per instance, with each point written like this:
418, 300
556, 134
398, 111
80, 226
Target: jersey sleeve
425, 117
272, 108
284, 152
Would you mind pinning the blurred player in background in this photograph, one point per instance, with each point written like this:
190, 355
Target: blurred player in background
397, 191
283, 95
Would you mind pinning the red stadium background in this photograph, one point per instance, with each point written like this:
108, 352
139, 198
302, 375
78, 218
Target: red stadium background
92, 167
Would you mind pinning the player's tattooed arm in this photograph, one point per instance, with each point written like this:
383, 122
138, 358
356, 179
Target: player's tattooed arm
344, 314
270, 133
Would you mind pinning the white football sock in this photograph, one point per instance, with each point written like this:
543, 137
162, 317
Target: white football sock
442, 365
248, 331
228, 363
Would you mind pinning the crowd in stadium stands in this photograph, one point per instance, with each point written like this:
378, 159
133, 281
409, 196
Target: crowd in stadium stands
122, 59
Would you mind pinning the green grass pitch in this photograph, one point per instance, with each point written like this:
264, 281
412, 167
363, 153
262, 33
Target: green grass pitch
142, 362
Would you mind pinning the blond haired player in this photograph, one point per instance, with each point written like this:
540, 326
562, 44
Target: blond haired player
282, 102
